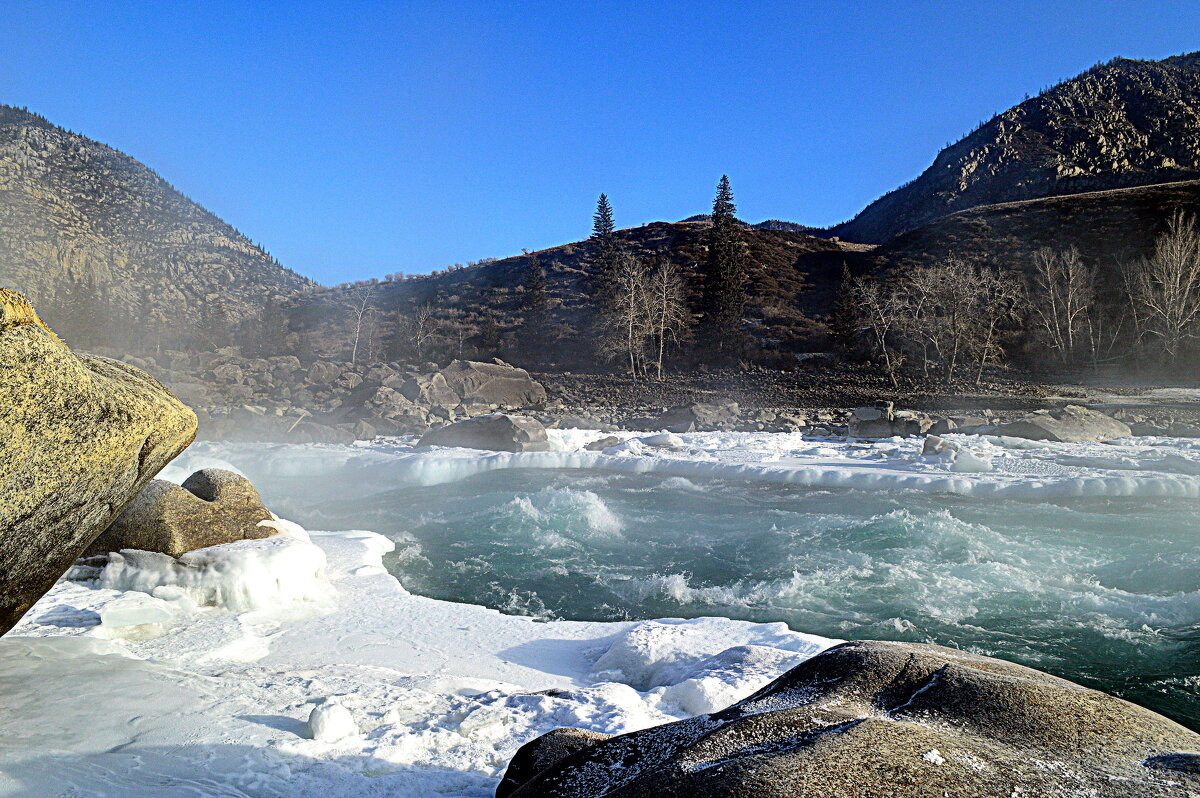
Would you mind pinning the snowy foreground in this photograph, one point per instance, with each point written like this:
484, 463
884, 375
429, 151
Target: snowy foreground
288, 667
297, 666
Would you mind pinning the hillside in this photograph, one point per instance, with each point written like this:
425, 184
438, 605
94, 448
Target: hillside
1108, 227
98, 241
791, 282
1120, 124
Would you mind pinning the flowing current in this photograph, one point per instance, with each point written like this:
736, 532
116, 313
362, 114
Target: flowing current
1104, 591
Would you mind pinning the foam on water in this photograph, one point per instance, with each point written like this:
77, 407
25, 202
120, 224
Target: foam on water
1076, 558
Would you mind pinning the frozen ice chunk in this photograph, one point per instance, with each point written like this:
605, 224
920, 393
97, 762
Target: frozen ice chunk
135, 609
331, 722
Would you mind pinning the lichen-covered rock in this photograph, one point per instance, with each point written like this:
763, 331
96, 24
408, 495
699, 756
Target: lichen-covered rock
1072, 424
213, 506
80, 436
496, 432
492, 384
873, 718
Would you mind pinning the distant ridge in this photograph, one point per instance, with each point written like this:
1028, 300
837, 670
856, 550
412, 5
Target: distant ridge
78, 218
1119, 124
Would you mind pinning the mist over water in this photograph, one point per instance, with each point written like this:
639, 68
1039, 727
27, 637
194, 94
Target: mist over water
1102, 591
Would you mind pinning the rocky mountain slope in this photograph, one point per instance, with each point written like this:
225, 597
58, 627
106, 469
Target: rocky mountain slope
83, 224
1123, 123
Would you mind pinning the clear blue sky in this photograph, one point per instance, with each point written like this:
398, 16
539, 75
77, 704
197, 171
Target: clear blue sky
370, 138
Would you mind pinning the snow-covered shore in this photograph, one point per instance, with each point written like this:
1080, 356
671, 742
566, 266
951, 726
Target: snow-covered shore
155, 678
206, 686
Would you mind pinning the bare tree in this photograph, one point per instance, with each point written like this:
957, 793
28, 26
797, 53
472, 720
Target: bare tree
625, 322
1061, 301
418, 328
1164, 289
882, 309
996, 297
362, 308
667, 310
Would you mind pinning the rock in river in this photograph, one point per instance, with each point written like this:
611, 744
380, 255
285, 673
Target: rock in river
496, 432
873, 718
80, 436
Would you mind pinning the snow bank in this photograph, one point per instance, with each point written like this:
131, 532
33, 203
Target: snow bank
274, 572
298, 667
986, 466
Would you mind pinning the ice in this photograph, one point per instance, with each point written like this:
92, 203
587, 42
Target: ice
276, 572
331, 722
257, 689
135, 609
986, 466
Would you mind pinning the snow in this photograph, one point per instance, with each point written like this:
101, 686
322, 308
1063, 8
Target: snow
984, 465
260, 669
331, 722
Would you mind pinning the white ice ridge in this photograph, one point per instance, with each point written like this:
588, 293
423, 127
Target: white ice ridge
128, 685
999, 467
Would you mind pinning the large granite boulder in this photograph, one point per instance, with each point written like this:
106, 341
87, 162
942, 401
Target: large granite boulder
80, 436
492, 384
213, 506
1071, 424
495, 432
430, 390
872, 718
699, 416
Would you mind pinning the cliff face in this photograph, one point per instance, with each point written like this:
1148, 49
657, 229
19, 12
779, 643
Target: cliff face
1121, 124
80, 218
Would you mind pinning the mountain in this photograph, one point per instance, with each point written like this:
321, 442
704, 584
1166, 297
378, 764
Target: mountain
99, 242
1120, 124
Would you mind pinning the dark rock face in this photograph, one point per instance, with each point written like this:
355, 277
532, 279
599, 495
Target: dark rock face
80, 436
873, 718
213, 506
1072, 424
497, 433
1124, 123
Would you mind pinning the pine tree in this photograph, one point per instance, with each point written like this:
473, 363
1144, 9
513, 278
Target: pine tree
535, 304
606, 251
602, 222
724, 271
843, 320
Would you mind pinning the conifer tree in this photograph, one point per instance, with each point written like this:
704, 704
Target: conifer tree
607, 251
724, 271
843, 320
535, 325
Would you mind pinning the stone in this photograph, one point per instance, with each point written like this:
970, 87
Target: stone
80, 436
213, 506
364, 431
937, 445
322, 372
603, 443
429, 390
496, 384
494, 432
697, 417
1071, 424
881, 718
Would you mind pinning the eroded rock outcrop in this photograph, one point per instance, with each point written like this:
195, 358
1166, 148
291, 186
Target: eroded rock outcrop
80, 436
874, 718
213, 506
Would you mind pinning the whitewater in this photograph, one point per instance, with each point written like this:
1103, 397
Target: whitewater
498, 596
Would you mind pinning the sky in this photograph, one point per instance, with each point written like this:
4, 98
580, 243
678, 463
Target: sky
354, 140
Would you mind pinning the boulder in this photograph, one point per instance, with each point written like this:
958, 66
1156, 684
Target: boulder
698, 416
875, 718
322, 372
213, 506
497, 384
603, 443
882, 420
1072, 424
80, 436
494, 432
429, 390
